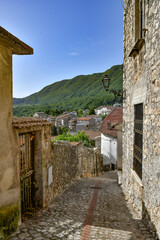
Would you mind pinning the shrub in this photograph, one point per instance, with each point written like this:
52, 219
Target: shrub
79, 137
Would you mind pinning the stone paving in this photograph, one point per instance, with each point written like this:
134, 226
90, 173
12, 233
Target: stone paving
90, 209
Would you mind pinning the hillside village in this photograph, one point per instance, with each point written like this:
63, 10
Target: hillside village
66, 190
94, 127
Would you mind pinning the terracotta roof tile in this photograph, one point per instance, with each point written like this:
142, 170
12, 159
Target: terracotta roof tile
84, 119
115, 117
92, 134
23, 122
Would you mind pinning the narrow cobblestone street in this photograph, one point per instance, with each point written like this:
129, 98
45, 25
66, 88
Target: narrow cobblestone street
93, 208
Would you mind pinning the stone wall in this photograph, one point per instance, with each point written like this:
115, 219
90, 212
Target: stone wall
68, 163
91, 162
142, 85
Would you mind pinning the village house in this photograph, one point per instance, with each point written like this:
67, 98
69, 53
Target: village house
41, 115
51, 119
85, 123
109, 141
98, 122
85, 112
73, 113
103, 110
25, 145
95, 137
141, 123
72, 124
63, 120
96, 118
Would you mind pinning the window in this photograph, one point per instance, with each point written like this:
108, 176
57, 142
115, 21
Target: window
139, 27
139, 19
138, 139
108, 126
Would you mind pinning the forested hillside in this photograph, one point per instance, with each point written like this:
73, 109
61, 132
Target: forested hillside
83, 91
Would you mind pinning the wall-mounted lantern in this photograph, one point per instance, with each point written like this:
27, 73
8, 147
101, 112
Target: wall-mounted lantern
106, 83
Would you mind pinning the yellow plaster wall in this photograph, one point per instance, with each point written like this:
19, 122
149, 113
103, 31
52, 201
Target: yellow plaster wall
9, 191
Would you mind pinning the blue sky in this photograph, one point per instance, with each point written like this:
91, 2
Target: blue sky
69, 38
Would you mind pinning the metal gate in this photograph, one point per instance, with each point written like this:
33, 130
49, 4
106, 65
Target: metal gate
138, 139
26, 153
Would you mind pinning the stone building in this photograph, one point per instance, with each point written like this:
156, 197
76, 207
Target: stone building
63, 120
85, 123
72, 125
141, 125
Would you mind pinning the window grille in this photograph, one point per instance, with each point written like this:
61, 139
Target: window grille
138, 139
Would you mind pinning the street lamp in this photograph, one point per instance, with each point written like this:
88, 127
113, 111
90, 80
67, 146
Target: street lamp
106, 82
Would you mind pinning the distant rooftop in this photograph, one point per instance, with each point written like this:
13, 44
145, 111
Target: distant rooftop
92, 134
84, 119
114, 118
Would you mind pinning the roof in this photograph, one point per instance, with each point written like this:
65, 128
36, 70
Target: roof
84, 119
108, 107
115, 117
63, 116
72, 120
99, 108
16, 45
95, 116
26, 122
40, 113
92, 134
75, 143
51, 117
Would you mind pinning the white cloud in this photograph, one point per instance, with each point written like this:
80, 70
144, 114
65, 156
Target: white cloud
74, 54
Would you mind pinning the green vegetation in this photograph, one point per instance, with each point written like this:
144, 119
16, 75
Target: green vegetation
81, 92
79, 137
103, 116
9, 217
28, 111
53, 130
91, 111
80, 113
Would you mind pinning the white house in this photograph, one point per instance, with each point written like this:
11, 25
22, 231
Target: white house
104, 110
109, 139
109, 150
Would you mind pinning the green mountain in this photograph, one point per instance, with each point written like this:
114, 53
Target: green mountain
80, 92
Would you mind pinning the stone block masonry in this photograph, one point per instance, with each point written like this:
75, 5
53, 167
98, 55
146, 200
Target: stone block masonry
68, 163
142, 86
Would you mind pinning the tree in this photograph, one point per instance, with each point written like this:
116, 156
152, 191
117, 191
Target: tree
91, 111
53, 130
80, 113
47, 111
